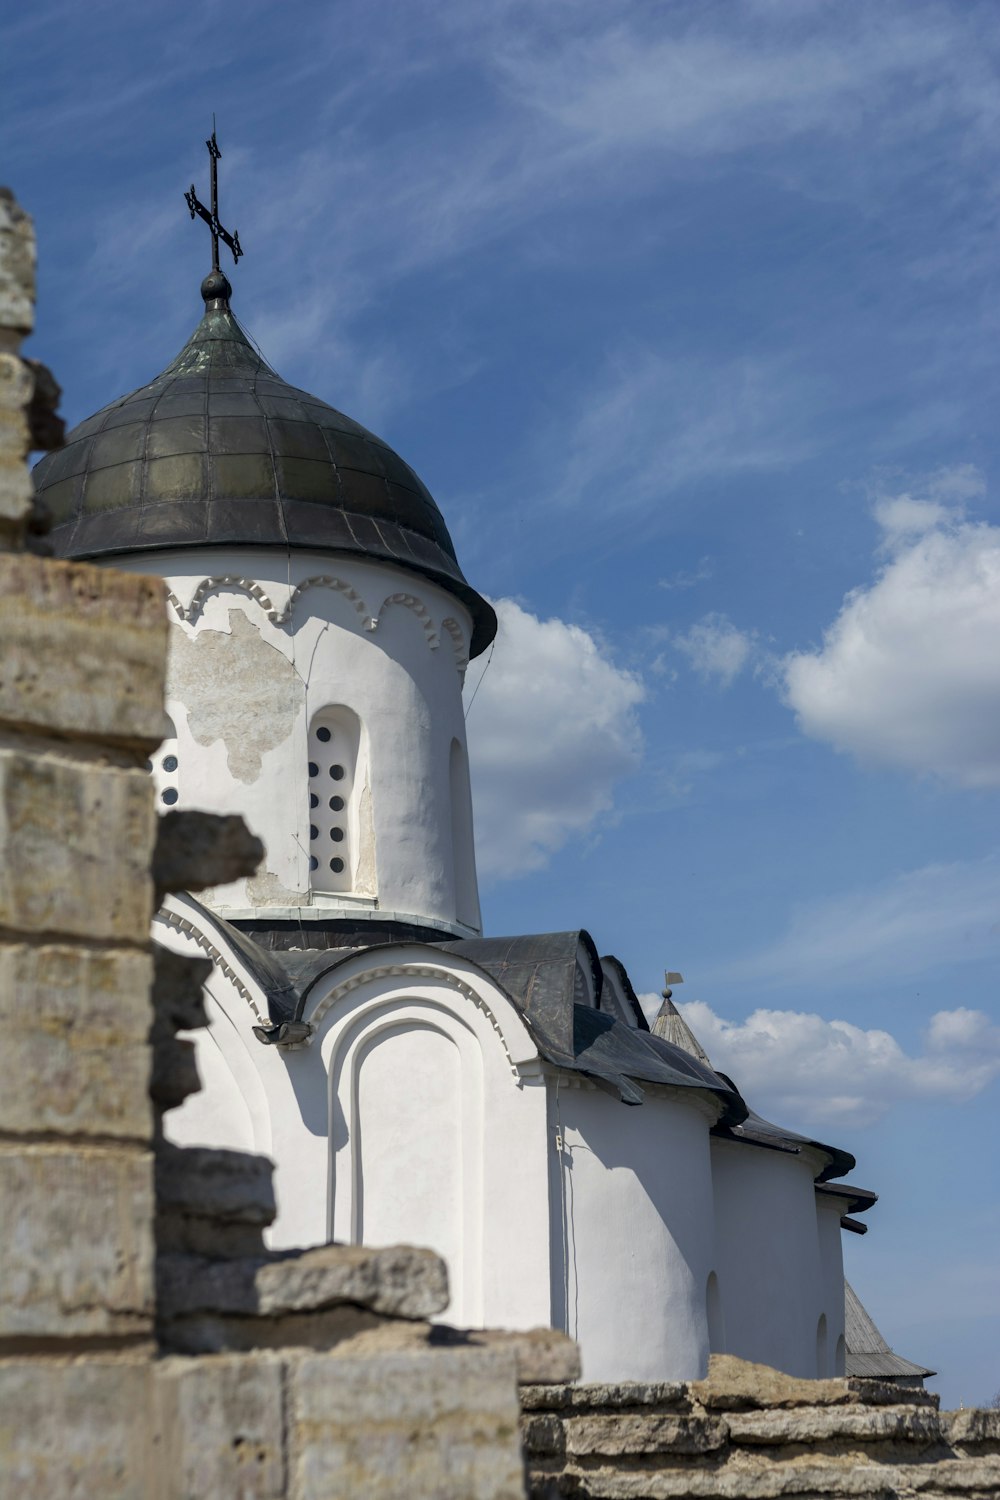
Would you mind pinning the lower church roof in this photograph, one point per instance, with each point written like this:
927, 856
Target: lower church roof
541, 976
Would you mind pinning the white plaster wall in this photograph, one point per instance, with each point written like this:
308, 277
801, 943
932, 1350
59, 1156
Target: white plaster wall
768, 1261
831, 1255
438, 1127
417, 1115
632, 1204
244, 683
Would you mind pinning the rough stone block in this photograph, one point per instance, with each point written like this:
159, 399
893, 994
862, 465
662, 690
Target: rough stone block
543, 1435
815, 1425
84, 651
971, 1426
74, 1023
215, 1333
213, 1183
672, 1394
175, 1073
543, 1355
75, 842
736, 1481
77, 1242
629, 1433
734, 1384
396, 1282
17, 265
196, 850
430, 1426
178, 1001
74, 1429
218, 1423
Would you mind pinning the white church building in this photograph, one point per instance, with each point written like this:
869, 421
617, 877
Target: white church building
501, 1099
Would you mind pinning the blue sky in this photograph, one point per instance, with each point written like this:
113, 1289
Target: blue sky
688, 315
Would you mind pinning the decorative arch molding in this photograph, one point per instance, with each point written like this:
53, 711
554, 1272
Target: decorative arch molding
189, 613
189, 930
411, 602
436, 972
327, 581
454, 632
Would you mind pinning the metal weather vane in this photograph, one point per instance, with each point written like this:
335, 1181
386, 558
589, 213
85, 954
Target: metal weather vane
211, 216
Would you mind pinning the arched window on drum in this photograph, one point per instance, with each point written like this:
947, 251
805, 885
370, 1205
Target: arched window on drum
334, 744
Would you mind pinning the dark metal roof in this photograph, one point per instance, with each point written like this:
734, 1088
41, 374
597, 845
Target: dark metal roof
219, 450
538, 974
755, 1131
868, 1355
859, 1199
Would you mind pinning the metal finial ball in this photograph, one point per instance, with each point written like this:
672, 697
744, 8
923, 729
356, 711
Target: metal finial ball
216, 287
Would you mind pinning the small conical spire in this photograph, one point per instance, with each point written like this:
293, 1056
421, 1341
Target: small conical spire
671, 1027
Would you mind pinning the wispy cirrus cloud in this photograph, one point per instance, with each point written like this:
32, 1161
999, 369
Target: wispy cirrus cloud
920, 923
650, 426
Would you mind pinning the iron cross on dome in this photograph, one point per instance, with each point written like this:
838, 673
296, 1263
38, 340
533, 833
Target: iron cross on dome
211, 217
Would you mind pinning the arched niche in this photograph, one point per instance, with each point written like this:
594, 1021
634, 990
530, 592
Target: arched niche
437, 1127
338, 827
822, 1352
406, 1138
840, 1364
715, 1316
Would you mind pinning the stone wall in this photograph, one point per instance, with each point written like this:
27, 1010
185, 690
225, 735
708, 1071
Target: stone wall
750, 1433
304, 1375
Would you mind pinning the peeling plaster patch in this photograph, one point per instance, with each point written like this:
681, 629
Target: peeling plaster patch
266, 889
237, 689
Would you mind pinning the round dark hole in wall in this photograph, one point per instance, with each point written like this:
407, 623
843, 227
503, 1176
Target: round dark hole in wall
337, 834
313, 831
170, 763
337, 804
313, 862
337, 772
337, 866
169, 796
313, 768
313, 800
323, 733
149, 765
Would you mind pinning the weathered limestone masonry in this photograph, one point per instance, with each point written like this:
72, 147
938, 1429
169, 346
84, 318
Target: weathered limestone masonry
115, 1249
750, 1433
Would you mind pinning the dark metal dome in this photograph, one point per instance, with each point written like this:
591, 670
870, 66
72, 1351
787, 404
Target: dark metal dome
219, 450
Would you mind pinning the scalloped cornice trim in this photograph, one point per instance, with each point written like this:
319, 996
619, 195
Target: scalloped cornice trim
187, 615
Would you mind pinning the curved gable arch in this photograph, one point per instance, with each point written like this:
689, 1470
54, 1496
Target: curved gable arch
404, 968
434, 1125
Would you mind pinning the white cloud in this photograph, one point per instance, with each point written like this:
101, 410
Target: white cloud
715, 648
909, 672
807, 1072
925, 920
552, 728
